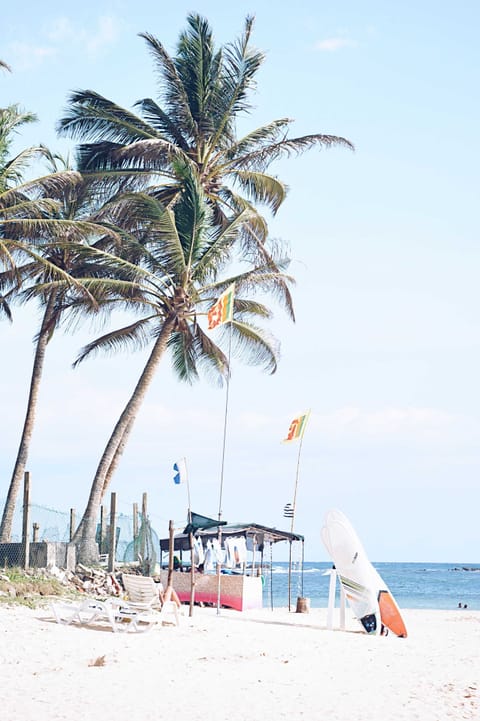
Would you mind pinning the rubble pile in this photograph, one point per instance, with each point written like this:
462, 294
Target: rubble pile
92, 581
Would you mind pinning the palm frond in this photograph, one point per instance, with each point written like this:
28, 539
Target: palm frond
262, 188
255, 346
171, 87
5, 308
94, 117
157, 118
260, 159
136, 335
13, 170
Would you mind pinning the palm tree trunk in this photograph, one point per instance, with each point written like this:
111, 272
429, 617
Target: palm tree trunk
116, 458
84, 537
29, 422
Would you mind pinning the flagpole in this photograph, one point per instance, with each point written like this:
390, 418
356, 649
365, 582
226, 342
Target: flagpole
295, 431
227, 391
190, 543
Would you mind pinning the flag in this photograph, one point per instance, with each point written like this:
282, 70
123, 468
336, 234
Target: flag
222, 311
297, 428
180, 468
288, 510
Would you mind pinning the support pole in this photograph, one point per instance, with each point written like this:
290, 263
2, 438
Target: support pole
290, 574
135, 523
192, 571
26, 521
103, 530
72, 524
331, 598
143, 539
113, 535
170, 553
36, 528
342, 608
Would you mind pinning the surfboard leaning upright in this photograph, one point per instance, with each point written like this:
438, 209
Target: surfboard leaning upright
366, 591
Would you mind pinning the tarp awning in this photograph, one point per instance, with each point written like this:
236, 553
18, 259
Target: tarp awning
198, 522
253, 531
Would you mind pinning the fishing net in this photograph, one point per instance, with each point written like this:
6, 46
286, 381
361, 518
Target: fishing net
142, 549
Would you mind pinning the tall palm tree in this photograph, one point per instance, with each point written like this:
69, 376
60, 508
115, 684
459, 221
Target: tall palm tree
179, 260
202, 92
56, 258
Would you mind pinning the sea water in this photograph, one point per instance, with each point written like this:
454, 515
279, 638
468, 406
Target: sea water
414, 585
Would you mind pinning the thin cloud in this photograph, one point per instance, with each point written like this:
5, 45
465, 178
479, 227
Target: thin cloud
420, 424
105, 36
62, 36
331, 45
24, 56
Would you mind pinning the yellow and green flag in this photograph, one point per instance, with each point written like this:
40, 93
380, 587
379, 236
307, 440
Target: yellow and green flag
222, 311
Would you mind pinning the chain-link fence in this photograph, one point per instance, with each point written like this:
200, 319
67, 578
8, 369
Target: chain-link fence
136, 541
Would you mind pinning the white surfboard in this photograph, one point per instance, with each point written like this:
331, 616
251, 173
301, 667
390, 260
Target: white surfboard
368, 595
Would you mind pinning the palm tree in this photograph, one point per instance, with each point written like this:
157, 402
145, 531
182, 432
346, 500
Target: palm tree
59, 262
179, 258
202, 93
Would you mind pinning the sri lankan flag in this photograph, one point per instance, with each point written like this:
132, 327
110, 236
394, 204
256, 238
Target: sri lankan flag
297, 428
222, 311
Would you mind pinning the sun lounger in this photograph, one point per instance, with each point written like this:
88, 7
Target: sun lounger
116, 614
143, 593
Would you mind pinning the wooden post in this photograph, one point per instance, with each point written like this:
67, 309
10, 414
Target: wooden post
103, 530
113, 535
135, 522
36, 528
26, 521
192, 575
143, 540
170, 552
72, 524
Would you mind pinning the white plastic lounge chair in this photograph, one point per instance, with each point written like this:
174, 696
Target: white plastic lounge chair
86, 612
119, 615
144, 594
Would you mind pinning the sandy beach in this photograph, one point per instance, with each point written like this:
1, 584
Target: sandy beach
263, 665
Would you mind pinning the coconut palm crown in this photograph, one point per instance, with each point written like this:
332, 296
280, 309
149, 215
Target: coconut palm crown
71, 226
173, 270
201, 93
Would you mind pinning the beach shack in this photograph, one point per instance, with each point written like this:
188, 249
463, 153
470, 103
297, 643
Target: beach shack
239, 551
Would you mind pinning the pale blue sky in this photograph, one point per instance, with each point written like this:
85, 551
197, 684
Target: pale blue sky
386, 348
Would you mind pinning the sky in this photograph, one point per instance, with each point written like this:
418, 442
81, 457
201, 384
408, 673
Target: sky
385, 349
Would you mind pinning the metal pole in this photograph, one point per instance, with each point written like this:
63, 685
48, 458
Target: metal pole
219, 563
290, 575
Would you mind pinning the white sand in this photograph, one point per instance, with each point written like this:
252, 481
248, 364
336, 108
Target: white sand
234, 666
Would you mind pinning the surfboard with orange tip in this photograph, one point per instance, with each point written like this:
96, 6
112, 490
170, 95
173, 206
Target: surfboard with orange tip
367, 593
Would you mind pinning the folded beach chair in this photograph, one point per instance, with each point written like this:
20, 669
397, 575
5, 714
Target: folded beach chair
144, 594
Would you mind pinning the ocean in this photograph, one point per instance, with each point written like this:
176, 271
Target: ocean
414, 585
